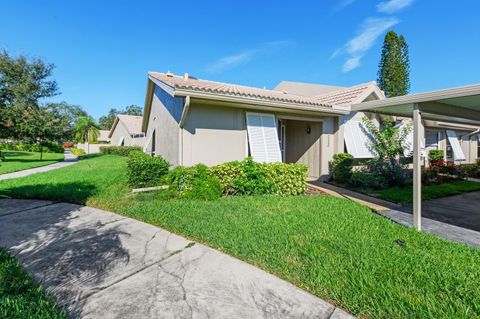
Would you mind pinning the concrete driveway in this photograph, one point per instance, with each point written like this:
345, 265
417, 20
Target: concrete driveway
98, 264
459, 210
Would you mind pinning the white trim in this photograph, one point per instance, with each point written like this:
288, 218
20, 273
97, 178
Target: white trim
122, 139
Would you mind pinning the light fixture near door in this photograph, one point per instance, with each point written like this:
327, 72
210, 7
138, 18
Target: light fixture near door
308, 130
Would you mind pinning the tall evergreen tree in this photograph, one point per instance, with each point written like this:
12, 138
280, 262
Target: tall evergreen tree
394, 67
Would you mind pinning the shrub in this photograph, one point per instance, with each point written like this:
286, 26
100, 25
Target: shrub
342, 167
119, 150
46, 147
77, 151
469, 170
435, 156
144, 170
251, 178
195, 182
368, 180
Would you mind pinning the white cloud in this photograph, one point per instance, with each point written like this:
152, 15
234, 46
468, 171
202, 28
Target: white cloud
243, 57
368, 33
351, 64
392, 6
342, 4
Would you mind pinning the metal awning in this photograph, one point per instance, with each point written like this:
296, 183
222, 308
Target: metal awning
456, 105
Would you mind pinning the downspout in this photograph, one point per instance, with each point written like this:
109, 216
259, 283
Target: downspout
186, 108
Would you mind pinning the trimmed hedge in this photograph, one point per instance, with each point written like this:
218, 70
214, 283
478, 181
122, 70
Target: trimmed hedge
342, 166
435, 155
144, 170
195, 182
119, 150
77, 151
48, 147
251, 178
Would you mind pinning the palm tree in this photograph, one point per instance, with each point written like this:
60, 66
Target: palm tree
86, 130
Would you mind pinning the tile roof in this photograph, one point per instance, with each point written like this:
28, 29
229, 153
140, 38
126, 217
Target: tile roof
132, 122
306, 89
252, 93
345, 96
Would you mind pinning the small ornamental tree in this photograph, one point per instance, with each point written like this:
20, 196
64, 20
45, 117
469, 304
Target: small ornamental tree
388, 143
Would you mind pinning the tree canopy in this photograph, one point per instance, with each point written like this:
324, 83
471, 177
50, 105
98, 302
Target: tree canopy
394, 66
23, 82
85, 130
105, 122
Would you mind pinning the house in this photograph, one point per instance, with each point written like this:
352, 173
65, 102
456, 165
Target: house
103, 136
127, 131
189, 121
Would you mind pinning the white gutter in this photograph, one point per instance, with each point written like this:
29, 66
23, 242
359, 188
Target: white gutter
243, 100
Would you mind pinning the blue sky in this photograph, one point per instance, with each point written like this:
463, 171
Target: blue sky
103, 49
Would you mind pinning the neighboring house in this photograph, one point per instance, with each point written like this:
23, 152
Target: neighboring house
127, 131
189, 121
103, 136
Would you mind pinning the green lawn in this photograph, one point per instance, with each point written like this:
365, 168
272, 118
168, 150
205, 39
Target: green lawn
18, 161
20, 295
332, 247
405, 195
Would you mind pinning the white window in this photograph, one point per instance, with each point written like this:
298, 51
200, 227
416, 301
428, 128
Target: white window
263, 137
456, 148
358, 140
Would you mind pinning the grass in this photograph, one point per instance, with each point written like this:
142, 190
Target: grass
20, 295
19, 161
405, 195
332, 247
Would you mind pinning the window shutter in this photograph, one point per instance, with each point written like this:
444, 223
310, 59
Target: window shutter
358, 140
263, 137
456, 148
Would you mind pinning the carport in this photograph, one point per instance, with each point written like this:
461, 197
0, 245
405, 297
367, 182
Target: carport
456, 105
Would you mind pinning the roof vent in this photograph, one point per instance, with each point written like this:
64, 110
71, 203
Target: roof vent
169, 74
284, 92
185, 77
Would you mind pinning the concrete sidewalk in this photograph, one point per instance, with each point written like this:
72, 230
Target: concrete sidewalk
98, 264
69, 160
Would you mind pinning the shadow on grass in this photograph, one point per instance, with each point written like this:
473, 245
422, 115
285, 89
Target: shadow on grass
77, 192
90, 156
70, 250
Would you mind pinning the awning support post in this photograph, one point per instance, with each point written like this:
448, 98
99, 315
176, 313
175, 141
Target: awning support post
417, 167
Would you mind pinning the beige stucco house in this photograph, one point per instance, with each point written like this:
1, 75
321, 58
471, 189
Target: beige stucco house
190, 121
127, 131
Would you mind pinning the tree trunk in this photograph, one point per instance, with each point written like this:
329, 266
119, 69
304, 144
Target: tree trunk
41, 152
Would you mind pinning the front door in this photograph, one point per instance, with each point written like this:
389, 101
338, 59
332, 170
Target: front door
281, 127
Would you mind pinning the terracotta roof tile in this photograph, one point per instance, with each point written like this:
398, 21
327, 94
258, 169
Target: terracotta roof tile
194, 84
132, 122
345, 96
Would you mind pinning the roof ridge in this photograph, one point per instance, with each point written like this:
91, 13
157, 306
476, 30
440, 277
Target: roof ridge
370, 83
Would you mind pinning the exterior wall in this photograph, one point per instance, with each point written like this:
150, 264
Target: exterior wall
91, 148
165, 115
119, 132
327, 146
213, 135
